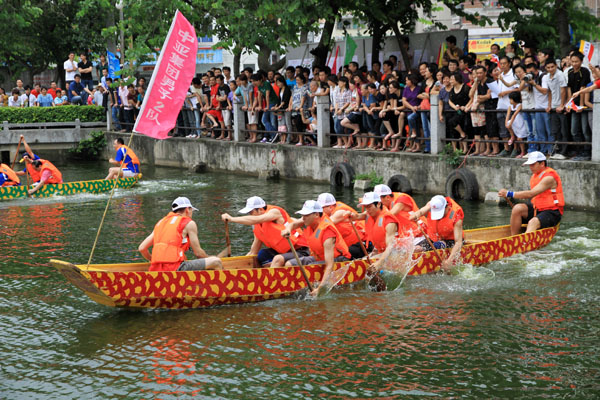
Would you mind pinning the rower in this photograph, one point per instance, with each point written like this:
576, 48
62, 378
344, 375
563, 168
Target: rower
8, 177
383, 228
172, 237
125, 157
47, 172
546, 194
325, 242
28, 157
444, 225
267, 222
340, 215
396, 202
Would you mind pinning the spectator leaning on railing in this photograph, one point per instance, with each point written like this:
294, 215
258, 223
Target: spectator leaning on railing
578, 79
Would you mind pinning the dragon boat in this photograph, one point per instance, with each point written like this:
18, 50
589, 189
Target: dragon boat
131, 285
67, 188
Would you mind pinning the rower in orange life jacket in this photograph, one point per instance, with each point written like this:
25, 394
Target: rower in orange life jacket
172, 237
444, 226
49, 174
398, 203
546, 194
29, 157
267, 222
325, 242
383, 228
340, 215
125, 156
8, 177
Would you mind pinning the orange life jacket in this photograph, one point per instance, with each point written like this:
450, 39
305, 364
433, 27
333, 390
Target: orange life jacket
56, 176
33, 173
345, 226
131, 154
551, 199
169, 248
443, 229
269, 233
13, 178
316, 240
375, 228
401, 198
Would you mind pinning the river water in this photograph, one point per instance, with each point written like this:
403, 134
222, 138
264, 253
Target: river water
526, 328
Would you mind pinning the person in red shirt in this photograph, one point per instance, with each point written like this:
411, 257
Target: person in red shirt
172, 237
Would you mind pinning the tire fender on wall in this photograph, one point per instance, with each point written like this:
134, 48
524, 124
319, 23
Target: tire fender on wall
342, 174
462, 184
400, 183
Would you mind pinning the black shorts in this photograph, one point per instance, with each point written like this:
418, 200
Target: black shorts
354, 118
547, 218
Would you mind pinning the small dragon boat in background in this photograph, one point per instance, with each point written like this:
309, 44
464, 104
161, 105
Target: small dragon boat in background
241, 281
67, 188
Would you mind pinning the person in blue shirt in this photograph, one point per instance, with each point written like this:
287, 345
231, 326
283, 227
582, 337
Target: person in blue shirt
45, 99
126, 157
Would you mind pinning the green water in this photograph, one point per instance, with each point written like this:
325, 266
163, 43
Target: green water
530, 330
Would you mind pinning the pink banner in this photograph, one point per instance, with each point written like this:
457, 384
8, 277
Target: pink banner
170, 81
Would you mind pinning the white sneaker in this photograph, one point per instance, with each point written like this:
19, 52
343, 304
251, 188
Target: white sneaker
558, 156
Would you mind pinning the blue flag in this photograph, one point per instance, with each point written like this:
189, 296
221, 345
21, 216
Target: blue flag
113, 64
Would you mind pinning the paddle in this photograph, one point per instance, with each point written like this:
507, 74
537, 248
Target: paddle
437, 253
12, 166
508, 200
227, 239
299, 263
378, 282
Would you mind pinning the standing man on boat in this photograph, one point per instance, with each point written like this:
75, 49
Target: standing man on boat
444, 226
546, 194
47, 172
8, 177
126, 157
324, 240
172, 237
267, 222
340, 215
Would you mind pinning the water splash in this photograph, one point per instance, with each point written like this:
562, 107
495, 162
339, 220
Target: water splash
399, 262
332, 280
470, 273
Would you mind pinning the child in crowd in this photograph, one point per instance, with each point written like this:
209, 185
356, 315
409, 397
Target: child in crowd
515, 122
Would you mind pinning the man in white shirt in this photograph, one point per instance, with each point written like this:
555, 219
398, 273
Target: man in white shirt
557, 83
506, 76
15, 99
71, 69
543, 101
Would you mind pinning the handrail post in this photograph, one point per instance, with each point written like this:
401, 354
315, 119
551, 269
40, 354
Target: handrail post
596, 127
323, 127
239, 122
438, 129
77, 126
5, 125
108, 120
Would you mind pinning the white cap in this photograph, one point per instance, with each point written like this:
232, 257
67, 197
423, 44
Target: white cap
182, 202
370, 198
382, 190
438, 206
326, 199
309, 207
253, 203
534, 157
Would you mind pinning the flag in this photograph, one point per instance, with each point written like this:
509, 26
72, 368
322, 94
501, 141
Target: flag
572, 106
113, 64
494, 58
334, 68
587, 49
441, 54
350, 49
173, 73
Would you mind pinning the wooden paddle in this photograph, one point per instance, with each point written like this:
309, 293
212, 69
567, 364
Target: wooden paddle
437, 253
227, 241
377, 280
299, 264
12, 166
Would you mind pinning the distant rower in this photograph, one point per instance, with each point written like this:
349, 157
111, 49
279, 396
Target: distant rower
48, 174
8, 177
126, 157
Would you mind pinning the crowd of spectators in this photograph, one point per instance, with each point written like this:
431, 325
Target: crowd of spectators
505, 104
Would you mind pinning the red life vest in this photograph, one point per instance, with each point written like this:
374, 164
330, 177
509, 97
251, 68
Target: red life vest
345, 226
55, 177
375, 228
13, 178
443, 229
551, 199
317, 238
269, 233
169, 248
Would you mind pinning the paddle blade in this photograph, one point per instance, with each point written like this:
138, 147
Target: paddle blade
377, 284
332, 280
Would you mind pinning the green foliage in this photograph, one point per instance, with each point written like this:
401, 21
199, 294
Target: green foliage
371, 176
89, 149
450, 156
30, 115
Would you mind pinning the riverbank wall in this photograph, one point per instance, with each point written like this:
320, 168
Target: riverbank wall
420, 172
